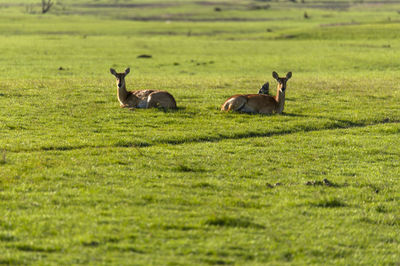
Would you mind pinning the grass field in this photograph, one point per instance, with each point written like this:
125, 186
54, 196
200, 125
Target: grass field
83, 181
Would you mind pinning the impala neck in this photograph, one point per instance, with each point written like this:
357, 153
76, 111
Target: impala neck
122, 93
280, 99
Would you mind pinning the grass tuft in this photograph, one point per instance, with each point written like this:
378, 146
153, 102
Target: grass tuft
178, 227
10, 261
329, 203
91, 243
381, 209
3, 158
232, 222
203, 185
61, 148
324, 182
33, 248
130, 144
287, 256
217, 262
125, 248
7, 237
180, 167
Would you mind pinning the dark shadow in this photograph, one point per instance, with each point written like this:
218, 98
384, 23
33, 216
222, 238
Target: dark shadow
172, 110
346, 123
338, 124
177, 109
294, 115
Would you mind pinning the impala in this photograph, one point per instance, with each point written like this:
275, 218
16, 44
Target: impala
260, 103
141, 98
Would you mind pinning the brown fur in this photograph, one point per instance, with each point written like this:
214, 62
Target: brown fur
161, 99
141, 98
259, 103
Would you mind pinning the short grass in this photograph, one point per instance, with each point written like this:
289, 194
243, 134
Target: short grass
83, 181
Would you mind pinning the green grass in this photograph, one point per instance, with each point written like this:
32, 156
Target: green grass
83, 181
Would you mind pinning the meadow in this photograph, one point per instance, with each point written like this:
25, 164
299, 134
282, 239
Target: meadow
83, 181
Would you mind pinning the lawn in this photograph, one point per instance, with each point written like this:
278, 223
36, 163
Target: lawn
83, 181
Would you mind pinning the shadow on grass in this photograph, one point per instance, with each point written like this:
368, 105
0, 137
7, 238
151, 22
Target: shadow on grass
304, 128
118, 144
173, 110
337, 124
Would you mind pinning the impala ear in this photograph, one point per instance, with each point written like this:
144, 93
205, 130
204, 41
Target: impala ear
127, 71
275, 75
112, 70
264, 89
288, 75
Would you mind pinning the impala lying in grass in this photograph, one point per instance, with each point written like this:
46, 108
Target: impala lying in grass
260, 103
141, 98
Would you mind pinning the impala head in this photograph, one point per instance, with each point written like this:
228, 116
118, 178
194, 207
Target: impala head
282, 81
120, 76
264, 89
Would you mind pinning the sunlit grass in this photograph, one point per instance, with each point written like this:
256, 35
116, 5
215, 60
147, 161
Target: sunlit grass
83, 181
